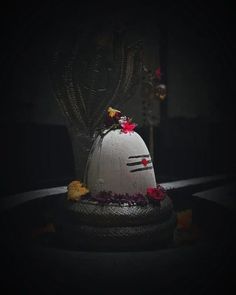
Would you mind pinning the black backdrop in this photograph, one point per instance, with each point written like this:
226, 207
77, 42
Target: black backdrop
40, 155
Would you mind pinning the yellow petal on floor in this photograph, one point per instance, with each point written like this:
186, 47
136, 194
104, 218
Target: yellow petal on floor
184, 219
48, 228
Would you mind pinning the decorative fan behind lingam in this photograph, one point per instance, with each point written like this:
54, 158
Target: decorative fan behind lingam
94, 72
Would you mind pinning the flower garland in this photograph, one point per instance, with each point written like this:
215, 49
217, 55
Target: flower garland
77, 192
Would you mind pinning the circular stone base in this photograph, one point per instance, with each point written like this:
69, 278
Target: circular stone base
89, 225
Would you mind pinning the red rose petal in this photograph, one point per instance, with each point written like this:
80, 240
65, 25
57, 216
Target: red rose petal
128, 127
158, 193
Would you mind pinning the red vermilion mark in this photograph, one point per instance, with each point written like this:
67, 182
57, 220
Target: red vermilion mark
144, 162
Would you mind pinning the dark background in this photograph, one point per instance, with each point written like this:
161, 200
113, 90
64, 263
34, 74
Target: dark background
196, 50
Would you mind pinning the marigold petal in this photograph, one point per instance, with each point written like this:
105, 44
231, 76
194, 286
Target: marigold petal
184, 219
112, 112
76, 190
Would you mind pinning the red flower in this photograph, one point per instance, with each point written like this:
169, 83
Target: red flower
157, 193
158, 73
128, 127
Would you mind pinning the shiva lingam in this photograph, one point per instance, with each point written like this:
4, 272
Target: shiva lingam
119, 205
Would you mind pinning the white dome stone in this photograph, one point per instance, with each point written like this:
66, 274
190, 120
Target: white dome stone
116, 163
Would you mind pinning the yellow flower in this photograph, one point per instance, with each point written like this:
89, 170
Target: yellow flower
112, 112
76, 190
